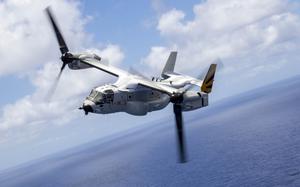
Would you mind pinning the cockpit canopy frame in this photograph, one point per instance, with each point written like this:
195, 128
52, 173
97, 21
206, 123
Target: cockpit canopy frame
101, 97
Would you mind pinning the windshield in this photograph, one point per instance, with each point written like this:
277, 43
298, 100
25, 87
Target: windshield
93, 94
100, 98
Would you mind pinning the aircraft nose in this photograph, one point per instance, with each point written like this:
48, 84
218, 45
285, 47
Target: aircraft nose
87, 107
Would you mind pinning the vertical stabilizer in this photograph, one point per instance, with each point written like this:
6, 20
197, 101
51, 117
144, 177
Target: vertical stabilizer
170, 65
209, 79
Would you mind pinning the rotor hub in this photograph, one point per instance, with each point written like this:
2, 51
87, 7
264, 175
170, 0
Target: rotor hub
177, 98
67, 58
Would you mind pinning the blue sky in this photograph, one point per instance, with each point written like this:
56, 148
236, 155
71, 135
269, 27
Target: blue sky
131, 24
257, 41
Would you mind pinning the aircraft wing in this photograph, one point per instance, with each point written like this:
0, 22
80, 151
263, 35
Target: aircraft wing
141, 81
159, 87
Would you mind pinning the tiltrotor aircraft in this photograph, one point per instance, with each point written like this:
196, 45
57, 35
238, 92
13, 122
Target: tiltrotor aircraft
135, 94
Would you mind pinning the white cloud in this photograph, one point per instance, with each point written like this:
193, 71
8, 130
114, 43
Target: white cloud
111, 54
25, 32
171, 23
246, 35
33, 47
155, 59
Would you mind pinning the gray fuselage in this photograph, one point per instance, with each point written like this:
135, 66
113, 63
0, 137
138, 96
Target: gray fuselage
137, 101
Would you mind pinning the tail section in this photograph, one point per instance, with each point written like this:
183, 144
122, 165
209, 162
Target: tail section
170, 65
209, 79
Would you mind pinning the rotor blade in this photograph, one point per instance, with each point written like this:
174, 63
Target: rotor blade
62, 44
180, 133
54, 86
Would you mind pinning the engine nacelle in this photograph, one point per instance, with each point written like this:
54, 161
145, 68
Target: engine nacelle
76, 64
194, 100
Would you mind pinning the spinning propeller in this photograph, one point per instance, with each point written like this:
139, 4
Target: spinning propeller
66, 56
177, 109
177, 100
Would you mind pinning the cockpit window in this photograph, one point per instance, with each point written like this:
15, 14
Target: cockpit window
98, 97
101, 98
93, 94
